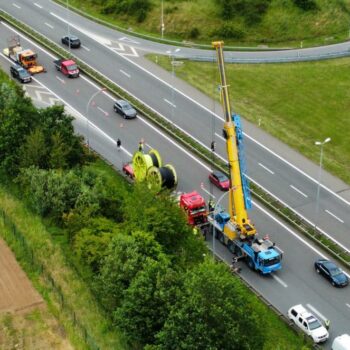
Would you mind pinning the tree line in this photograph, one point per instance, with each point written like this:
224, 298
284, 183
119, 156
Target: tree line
148, 271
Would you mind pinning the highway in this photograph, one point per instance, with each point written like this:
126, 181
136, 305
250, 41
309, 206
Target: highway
120, 58
296, 283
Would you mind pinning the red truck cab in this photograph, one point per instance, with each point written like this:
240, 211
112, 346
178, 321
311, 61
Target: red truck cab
67, 67
195, 208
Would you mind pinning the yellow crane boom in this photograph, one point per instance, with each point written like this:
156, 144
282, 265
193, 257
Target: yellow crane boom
239, 222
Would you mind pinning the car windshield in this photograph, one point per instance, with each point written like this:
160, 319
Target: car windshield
22, 73
72, 67
222, 177
273, 261
197, 210
336, 272
314, 323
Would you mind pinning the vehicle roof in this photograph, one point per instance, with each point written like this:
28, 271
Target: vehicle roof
18, 67
123, 102
68, 62
299, 309
26, 52
72, 37
219, 174
268, 254
192, 198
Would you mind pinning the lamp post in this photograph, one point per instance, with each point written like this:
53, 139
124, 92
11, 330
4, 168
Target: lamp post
162, 27
174, 63
87, 114
68, 28
214, 212
318, 143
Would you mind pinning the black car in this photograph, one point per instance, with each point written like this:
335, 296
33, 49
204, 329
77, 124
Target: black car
74, 41
332, 272
124, 108
21, 74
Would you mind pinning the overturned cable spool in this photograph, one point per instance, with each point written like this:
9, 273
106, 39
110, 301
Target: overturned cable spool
163, 177
142, 162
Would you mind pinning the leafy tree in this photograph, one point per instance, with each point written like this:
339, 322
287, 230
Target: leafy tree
306, 5
18, 117
33, 151
126, 256
137, 8
163, 218
147, 302
92, 241
212, 313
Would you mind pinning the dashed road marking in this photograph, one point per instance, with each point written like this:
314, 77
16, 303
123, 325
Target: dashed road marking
49, 25
60, 79
206, 191
171, 104
316, 312
280, 281
125, 73
335, 217
103, 111
15, 5
297, 190
266, 168
37, 5
85, 48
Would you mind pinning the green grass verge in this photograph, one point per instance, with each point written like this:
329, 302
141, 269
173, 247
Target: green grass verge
76, 294
298, 103
284, 24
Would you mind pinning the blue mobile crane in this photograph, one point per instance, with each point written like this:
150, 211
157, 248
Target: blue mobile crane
233, 228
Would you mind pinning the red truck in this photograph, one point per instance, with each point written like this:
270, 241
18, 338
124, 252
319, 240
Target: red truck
195, 208
67, 67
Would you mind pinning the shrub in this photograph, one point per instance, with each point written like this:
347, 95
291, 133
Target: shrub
306, 5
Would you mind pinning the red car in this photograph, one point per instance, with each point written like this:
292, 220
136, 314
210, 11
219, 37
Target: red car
220, 180
128, 170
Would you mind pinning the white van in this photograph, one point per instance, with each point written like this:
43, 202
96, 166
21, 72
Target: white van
342, 342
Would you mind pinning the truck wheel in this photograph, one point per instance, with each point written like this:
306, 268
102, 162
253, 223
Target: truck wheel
231, 247
221, 238
250, 263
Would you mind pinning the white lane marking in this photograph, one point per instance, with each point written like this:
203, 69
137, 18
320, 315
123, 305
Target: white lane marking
211, 112
15, 5
128, 40
316, 312
266, 168
37, 5
171, 104
60, 79
206, 191
185, 132
125, 73
175, 144
49, 25
103, 111
280, 281
348, 305
297, 190
148, 145
335, 217
85, 48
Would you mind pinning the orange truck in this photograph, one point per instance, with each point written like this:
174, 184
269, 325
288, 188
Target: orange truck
26, 58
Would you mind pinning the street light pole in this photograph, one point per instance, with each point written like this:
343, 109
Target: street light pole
87, 114
318, 143
162, 20
68, 29
214, 212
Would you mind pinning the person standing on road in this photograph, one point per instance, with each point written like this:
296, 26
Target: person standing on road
119, 144
141, 146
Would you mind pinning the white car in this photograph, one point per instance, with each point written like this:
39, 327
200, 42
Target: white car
308, 323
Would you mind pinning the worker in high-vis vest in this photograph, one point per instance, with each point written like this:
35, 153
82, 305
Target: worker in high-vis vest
195, 231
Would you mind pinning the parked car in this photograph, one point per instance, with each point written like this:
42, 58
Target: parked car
341, 343
74, 41
128, 170
220, 180
125, 109
308, 323
332, 272
20, 73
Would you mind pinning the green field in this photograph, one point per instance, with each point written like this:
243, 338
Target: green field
283, 23
298, 103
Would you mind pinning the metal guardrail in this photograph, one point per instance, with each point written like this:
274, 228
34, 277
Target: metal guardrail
296, 58
187, 141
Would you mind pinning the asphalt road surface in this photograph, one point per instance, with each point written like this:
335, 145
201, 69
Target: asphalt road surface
296, 283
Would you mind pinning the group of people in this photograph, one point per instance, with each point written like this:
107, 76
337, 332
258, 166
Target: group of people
119, 145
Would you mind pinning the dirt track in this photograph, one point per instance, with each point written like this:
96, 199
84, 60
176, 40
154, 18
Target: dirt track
16, 291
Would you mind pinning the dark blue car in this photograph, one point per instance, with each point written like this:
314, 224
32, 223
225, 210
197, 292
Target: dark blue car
332, 272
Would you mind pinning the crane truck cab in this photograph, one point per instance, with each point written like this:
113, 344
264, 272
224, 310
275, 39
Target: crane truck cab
260, 254
195, 208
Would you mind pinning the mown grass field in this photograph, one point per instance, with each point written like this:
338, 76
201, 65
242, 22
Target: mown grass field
298, 103
284, 24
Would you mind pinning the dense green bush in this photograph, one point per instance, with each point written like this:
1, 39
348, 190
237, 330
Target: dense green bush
306, 5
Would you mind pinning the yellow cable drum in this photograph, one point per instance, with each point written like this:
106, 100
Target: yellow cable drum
142, 162
162, 177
